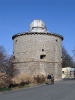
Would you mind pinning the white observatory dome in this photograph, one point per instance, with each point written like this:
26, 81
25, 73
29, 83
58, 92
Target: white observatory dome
37, 26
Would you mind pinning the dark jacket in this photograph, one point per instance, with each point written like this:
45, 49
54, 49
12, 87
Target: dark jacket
49, 77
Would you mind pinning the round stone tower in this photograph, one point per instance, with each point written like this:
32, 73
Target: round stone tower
38, 51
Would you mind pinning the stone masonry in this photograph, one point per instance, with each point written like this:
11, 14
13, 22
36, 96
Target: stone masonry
37, 52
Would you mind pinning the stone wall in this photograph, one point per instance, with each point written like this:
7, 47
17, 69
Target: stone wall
29, 49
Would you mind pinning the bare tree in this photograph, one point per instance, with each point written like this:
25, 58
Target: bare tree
11, 69
73, 52
3, 58
6, 62
73, 56
67, 59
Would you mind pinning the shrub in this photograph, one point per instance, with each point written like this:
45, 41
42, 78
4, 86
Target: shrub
22, 78
5, 79
40, 79
25, 78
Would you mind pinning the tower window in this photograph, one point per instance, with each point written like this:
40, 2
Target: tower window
43, 50
56, 40
15, 41
13, 57
42, 56
62, 72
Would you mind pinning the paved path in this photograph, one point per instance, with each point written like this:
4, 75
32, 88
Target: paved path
63, 90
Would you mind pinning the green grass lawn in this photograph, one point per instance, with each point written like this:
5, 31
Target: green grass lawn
5, 89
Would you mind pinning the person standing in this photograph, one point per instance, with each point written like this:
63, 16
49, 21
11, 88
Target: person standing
49, 78
70, 73
52, 79
74, 74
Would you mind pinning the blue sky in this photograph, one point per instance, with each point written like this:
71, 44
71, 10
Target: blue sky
58, 15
